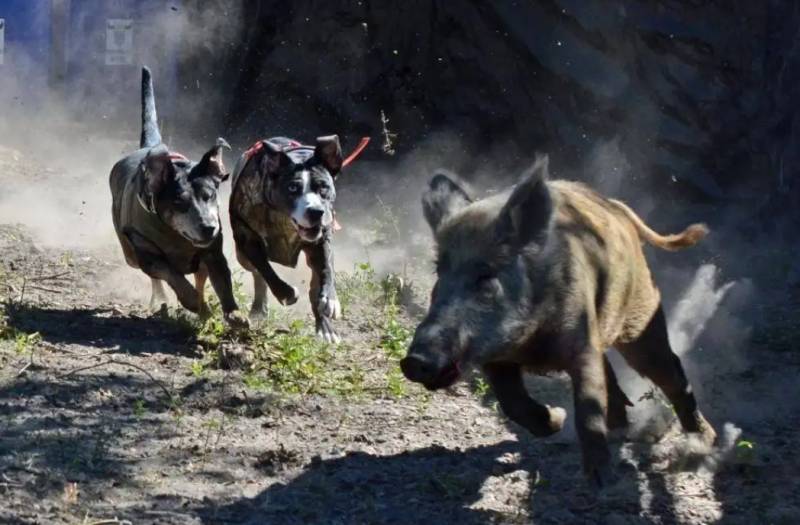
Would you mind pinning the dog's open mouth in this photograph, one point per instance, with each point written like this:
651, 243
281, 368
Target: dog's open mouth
309, 233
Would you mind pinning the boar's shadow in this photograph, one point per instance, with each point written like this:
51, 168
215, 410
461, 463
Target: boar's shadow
429, 485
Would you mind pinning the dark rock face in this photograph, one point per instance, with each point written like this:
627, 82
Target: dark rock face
686, 99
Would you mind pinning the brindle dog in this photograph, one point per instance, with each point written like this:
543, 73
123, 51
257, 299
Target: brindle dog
282, 204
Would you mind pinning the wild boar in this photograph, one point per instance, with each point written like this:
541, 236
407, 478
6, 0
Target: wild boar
546, 277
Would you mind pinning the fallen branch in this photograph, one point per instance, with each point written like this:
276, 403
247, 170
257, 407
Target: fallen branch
50, 277
112, 521
122, 363
22, 370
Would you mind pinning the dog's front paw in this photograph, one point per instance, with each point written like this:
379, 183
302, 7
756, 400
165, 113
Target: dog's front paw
326, 332
237, 320
329, 306
286, 294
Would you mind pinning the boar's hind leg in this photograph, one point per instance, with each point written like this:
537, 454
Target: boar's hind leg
506, 382
617, 400
652, 357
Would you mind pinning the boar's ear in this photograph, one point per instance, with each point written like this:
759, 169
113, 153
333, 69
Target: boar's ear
211, 164
329, 153
443, 198
526, 217
157, 171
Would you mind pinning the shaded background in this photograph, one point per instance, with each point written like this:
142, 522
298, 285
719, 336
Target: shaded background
685, 108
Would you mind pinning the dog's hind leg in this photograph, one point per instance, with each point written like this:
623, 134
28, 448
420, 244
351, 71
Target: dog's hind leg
260, 309
217, 269
158, 298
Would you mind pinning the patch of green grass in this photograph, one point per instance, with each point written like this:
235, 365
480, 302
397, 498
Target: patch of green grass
138, 408
360, 285
284, 356
480, 386
23, 342
294, 361
394, 341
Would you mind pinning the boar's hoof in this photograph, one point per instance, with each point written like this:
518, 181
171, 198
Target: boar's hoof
557, 417
706, 432
601, 476
237, 320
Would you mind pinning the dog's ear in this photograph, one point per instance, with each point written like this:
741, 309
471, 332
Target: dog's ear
329, 153
272, 160
211, 164
158, 170
443, 198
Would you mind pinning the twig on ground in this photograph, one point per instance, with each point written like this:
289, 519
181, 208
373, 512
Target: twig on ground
50, 277
111, 521
22, 291
122, 363
22, 370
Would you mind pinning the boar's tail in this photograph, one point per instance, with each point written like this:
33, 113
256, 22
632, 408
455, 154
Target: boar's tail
150, 134
693, 234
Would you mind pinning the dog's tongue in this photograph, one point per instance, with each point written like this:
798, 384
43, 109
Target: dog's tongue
336, 225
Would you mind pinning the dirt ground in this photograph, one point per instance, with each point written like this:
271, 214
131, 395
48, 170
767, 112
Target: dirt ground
106, 417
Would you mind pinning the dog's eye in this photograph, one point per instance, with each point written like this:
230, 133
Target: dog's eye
323, 191
295, 187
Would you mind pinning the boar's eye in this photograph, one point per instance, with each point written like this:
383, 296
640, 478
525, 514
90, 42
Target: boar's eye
484, 279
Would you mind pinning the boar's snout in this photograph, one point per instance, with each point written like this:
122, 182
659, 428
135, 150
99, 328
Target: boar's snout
432, 369
418, 369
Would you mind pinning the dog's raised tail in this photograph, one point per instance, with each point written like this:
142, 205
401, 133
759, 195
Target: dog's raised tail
693, 234
150, 134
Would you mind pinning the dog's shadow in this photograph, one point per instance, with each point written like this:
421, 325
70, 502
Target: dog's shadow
102, 328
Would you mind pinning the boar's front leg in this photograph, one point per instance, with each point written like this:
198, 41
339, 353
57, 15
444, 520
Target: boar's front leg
517, 405
589, 390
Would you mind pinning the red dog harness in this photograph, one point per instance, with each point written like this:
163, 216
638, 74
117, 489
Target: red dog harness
293, 144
